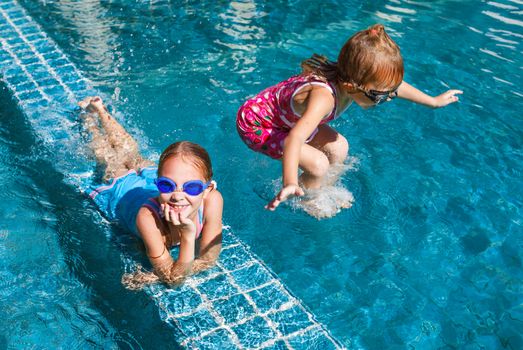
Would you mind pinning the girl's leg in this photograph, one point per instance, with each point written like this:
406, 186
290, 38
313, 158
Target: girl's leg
119, 149
99, 144
315, 165
331, 143
326, 151
335, 147
117, 135
322, 163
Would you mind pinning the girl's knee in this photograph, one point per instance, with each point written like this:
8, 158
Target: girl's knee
319, 166
338, 150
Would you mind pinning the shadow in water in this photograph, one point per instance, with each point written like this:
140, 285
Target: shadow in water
91, 248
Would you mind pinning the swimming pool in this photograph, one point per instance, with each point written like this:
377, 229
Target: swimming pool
429, 255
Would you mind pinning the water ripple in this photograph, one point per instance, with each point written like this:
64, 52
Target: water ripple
503, 19
429, 255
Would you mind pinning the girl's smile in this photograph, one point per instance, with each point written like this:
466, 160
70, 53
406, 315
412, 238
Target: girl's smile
178, 208
181, 171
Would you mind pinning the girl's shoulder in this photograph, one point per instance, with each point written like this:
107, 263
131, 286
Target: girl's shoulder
316, 82
304, 78
314, 77
149, 218
304, 82
151, 209
213, 203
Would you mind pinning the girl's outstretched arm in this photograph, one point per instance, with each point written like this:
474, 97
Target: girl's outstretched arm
409, 92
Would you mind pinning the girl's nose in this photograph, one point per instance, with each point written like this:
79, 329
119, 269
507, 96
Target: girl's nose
177, 194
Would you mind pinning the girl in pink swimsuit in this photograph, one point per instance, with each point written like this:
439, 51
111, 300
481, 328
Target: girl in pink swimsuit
288, 121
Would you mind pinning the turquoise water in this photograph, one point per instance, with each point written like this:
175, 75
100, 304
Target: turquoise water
429, 255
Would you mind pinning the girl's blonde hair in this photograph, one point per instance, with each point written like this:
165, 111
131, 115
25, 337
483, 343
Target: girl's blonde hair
369, 56
192, 152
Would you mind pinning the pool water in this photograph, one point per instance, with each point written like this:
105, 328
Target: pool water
429, 256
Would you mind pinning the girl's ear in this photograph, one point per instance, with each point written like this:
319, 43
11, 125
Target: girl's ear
349, 87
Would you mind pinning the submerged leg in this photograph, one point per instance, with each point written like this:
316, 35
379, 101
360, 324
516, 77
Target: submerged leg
322, 162
99, 144
314, 164
119, 150
335, 147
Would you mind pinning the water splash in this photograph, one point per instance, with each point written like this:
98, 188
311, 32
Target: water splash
321, 203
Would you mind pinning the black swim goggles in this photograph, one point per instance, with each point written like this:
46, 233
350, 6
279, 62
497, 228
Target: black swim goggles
378, 97
192, 187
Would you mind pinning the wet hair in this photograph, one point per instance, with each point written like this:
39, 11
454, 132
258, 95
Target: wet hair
191, 152
369, 56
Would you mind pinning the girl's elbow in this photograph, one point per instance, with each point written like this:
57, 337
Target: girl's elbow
293, 139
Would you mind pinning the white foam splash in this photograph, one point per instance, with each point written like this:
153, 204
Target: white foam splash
332, 197
324, 202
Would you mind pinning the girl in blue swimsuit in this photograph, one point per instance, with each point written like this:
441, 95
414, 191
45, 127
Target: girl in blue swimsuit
175, 203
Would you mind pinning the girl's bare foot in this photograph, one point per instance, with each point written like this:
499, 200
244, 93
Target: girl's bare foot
85, 102
93, 104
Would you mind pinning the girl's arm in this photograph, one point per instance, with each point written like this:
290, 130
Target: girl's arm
409, 92
211, 240
320, 104
166, 268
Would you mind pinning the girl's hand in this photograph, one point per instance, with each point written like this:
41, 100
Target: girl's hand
179, 222
446, 98
285, 193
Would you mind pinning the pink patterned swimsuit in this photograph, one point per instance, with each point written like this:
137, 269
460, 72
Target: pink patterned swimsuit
265, 120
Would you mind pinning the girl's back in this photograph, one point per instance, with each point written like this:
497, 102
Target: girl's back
278, 104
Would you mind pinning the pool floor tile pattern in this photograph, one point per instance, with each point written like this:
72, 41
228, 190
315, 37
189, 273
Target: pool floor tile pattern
238, 304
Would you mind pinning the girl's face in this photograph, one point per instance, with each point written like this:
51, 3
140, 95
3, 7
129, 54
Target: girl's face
362, 100
180, 171
359, 94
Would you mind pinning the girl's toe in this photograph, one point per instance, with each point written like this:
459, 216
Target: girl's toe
85, 102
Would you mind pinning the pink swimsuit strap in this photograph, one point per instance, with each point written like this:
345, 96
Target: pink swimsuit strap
287, 90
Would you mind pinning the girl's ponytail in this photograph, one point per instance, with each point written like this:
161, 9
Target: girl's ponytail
376, 31
321, 66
